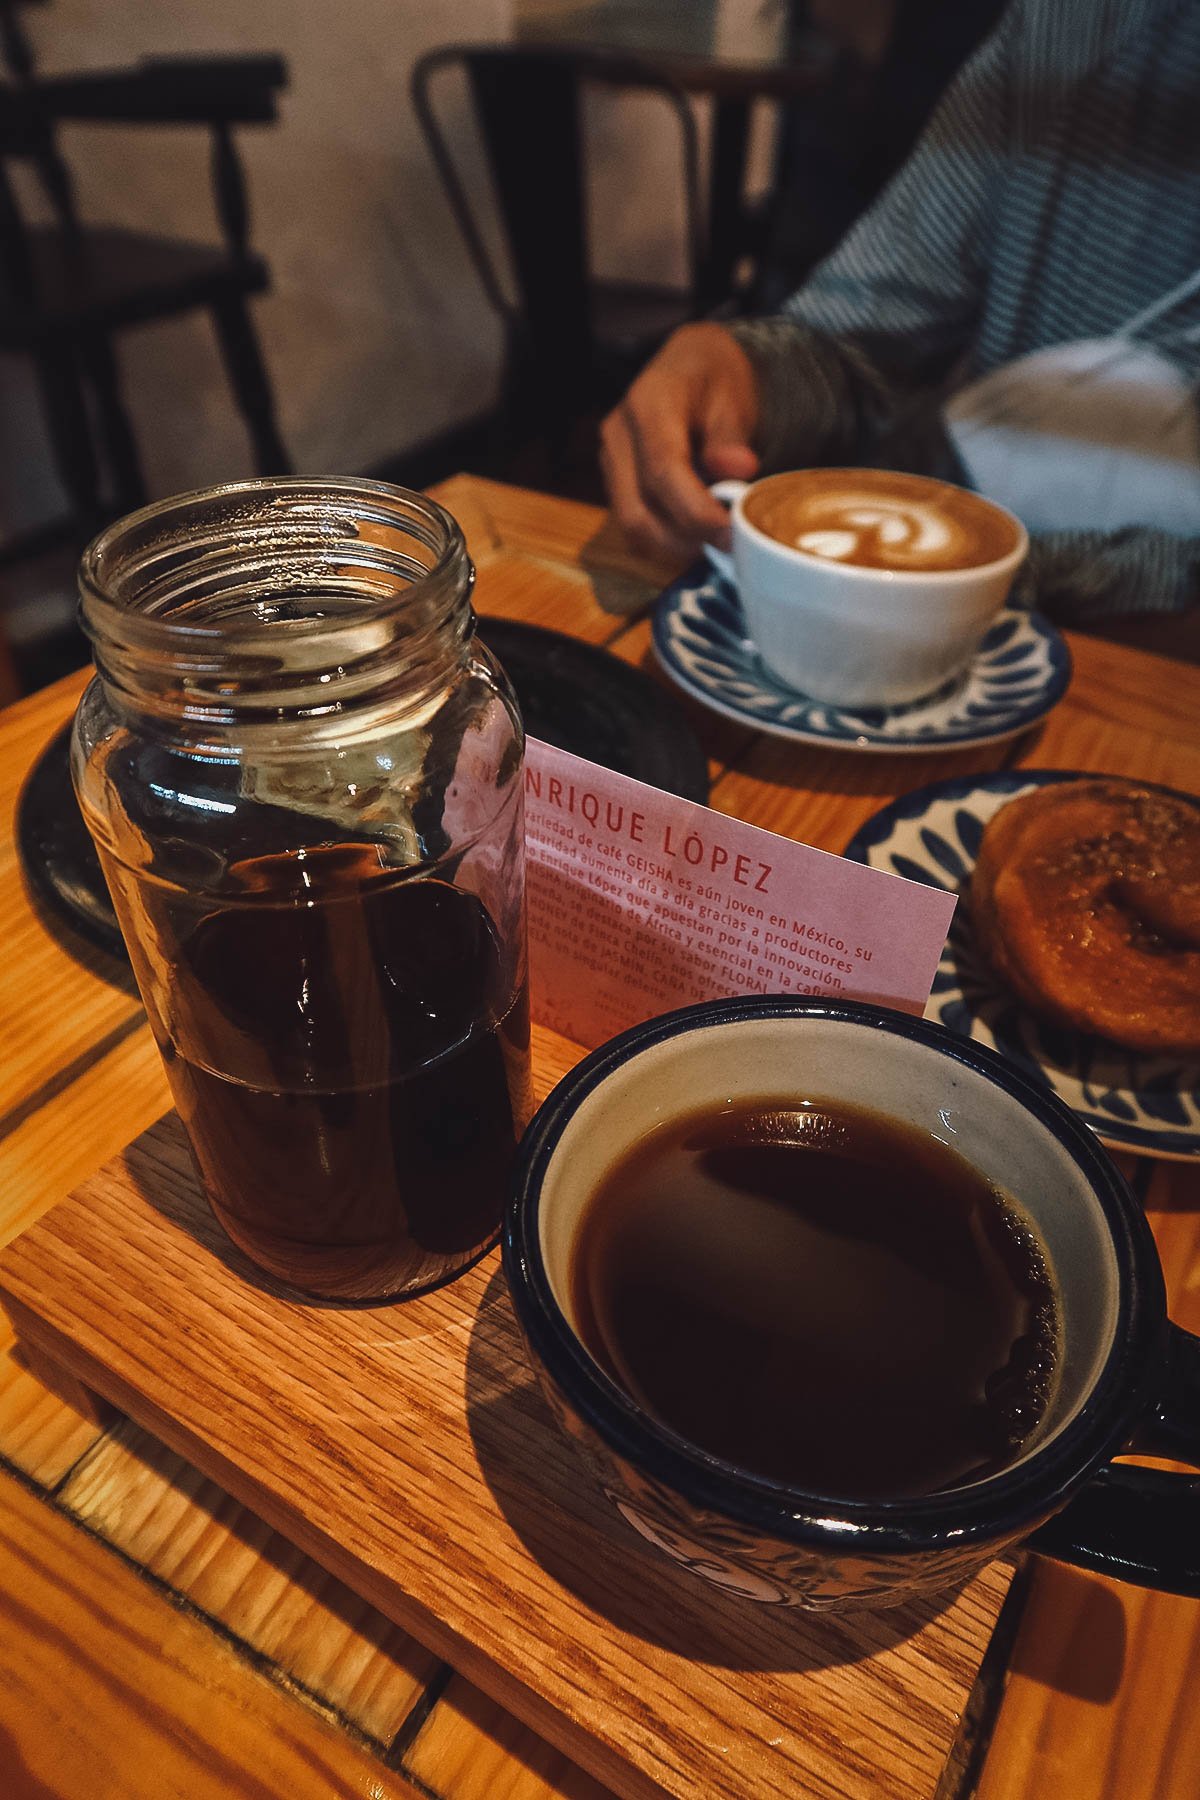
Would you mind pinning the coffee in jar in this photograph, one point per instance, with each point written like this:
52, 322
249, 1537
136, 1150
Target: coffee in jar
303, 778
821, 1296
879, 519
395, 1076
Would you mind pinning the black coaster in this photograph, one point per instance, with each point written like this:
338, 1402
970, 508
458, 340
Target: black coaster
56, 852
583, 700
572, 695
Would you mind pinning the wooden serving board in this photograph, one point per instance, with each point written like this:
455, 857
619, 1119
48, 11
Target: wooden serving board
407, 1448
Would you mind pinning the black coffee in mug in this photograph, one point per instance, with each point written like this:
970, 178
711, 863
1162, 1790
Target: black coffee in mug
819, 1295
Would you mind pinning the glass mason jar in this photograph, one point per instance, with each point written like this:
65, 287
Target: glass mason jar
303, 776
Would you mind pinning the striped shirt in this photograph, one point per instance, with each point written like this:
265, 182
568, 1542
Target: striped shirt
1054, 194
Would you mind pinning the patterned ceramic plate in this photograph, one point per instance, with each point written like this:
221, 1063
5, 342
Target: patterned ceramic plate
1021, 670
1147, 1104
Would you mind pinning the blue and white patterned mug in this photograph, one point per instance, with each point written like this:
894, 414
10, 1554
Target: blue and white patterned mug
1125, 1374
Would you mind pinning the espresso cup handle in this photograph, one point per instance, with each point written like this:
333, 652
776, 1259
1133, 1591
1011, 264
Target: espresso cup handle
727, 492
1143, 1525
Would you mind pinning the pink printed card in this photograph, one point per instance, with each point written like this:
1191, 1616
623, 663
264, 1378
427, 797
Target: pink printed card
640, 902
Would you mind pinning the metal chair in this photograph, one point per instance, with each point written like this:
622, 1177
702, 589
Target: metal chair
573, 341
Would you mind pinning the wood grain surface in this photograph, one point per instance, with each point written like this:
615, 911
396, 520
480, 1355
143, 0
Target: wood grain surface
409, 1451
1100, 1701
160, 1512
470, 1747
109, 1692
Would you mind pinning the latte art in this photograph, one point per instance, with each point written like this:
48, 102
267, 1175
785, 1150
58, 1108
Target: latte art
877, 519
904, 534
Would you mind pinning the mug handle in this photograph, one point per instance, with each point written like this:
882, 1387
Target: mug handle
722, 562
1143, 1525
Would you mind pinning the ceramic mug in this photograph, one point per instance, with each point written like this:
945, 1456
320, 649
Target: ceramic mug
1124, 1371
853, 636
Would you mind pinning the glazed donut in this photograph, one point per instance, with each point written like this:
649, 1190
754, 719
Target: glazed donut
1086, 900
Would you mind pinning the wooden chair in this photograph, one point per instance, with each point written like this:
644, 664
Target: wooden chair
68, 289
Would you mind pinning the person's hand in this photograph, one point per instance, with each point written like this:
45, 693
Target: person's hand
688, 419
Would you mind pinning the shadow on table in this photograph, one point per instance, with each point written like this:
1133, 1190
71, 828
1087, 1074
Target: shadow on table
552, 1502
160, 1169
1073, 1637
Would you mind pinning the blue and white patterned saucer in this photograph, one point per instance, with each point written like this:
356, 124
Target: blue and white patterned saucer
1020, 671
1146, 1104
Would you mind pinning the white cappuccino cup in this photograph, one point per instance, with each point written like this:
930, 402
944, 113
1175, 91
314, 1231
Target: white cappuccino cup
875, 600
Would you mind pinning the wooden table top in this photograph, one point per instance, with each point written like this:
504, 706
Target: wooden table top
160, 1640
